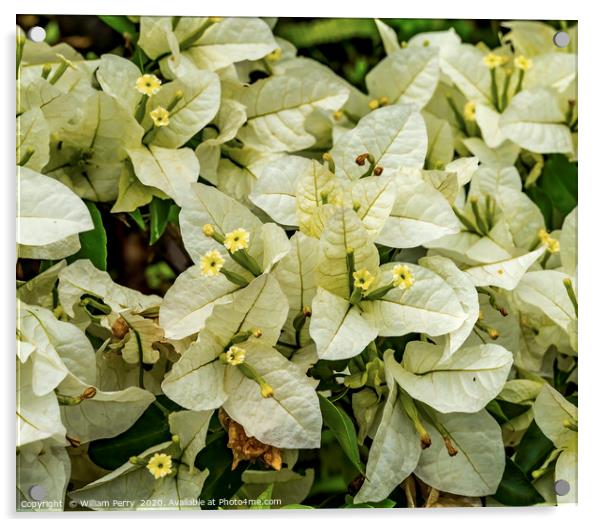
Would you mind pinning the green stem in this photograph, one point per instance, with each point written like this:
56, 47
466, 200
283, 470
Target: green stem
430, 415
67, 400
356, 296
410, 409
235, 278
568, 284
46, 69
20, 45
141, 108
519, 86
27, 155
379, 292
482, 226
465, 221
350, 259
494, 90
186, 43
62, 68
244, 259
536, 474
164, 410
505, 92
459, 117
98, 305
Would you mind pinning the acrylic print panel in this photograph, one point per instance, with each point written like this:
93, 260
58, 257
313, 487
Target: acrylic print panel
295, 263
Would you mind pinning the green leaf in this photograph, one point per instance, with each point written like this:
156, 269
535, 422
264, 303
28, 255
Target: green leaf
533, 449
150, 429
264, 496
136, 215
515, 489
93, 243
121, 24
559, 182
222, 482
494, 408
159, 217
542, 200
342, 427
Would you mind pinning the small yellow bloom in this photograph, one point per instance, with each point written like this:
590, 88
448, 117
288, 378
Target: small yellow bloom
337, 116
236, 240
470, 111
148, 84
211, 263
208, 229
235, 355
373, 104
275, 55
523, 63
160, 116
552, 244
363, 279
492, 60
402, 276
266, 391
383, 101
159, 465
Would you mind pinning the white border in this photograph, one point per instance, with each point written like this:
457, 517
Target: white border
590, 221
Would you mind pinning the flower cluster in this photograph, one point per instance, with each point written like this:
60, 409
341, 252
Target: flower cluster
377, 273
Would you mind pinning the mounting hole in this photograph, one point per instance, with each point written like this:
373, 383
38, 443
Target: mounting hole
562, 39
37, 34
562, 487
37, 492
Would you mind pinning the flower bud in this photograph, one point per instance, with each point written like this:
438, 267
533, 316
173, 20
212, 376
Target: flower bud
88, 393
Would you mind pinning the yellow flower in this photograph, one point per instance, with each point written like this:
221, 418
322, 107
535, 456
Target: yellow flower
373, 104
159, 465
402, 277
208, 229
551, 244
160, 116
235, 355
492, 60
236, 240
470, 111
363, 279
266, 391
211, 263
523, 63
275, 55
148, 84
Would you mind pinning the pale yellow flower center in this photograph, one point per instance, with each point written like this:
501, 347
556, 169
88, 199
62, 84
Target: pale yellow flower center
159, 465
363, 279
235, 355
160, 116
492, 60
211, 263
552, 244
148, 84
402, 277
470, 111
523, 63
236, 240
